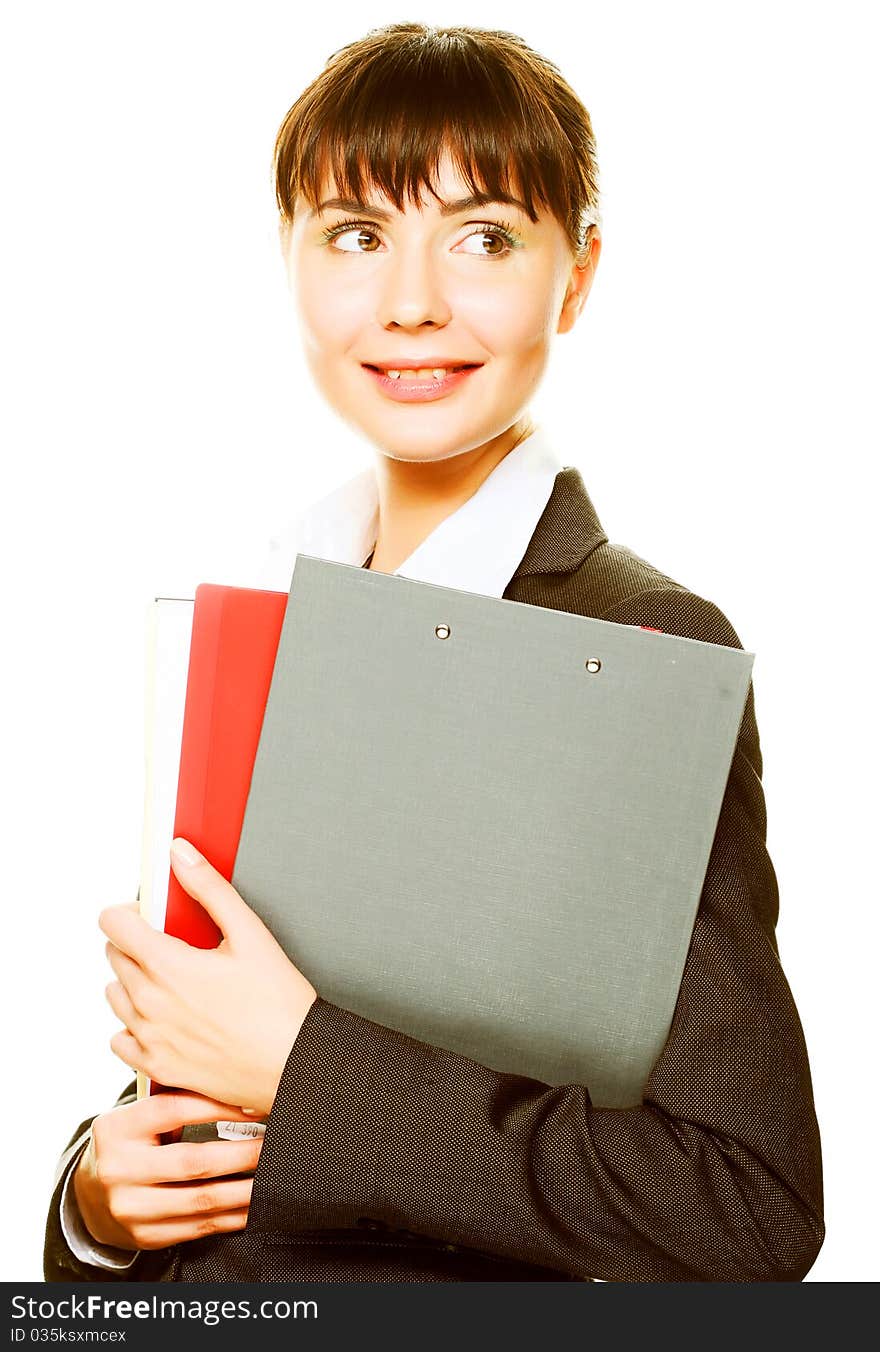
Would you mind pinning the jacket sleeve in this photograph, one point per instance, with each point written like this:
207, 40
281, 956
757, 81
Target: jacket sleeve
716, 1176
61, 1262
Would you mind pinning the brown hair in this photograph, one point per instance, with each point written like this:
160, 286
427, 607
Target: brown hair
384, 107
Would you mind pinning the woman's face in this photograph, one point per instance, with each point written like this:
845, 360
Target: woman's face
431, 288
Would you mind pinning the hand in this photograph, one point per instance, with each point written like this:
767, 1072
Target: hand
131, 1190
219, 1021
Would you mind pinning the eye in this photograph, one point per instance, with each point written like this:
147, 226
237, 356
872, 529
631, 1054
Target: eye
500, 235
354, 232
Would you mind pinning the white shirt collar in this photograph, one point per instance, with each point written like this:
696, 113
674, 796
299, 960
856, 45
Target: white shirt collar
477, 548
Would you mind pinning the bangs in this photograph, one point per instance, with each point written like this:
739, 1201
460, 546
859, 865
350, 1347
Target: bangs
382, 118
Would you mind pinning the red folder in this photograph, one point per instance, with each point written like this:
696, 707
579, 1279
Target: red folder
235, 638
235, 634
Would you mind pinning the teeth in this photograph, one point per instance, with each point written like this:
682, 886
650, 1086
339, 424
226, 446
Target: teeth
438, 372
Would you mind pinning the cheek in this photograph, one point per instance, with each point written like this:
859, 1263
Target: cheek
514, 322
330, 315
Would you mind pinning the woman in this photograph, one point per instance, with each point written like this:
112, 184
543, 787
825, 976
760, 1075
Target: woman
439, 216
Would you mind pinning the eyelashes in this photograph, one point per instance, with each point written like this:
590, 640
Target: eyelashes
503, 229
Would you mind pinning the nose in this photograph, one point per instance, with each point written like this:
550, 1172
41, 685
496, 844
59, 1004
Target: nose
413, 293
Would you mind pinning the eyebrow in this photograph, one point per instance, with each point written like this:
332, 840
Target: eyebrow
446, 208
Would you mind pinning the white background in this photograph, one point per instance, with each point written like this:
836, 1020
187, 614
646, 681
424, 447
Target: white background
159, 426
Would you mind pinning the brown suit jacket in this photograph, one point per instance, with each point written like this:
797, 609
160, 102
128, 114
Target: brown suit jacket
387, 1159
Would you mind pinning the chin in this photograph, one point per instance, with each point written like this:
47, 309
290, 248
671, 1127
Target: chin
432, 450
420, 438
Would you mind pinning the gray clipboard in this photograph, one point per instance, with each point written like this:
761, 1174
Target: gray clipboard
478, 840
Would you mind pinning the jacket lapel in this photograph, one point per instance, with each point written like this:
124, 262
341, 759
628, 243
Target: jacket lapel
568, 531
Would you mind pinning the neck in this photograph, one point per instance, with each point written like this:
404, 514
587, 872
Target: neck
415, 496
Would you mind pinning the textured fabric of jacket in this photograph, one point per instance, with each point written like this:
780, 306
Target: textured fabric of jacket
387, 1159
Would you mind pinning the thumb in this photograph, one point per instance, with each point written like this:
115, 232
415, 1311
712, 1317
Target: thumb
229, 911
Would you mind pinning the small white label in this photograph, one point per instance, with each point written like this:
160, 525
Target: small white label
234, 1131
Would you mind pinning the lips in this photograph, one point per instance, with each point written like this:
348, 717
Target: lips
415, 388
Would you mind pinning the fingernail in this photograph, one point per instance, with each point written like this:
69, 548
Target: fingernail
186, 853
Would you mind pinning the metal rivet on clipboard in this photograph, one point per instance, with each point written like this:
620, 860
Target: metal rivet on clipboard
442, 630
593, 664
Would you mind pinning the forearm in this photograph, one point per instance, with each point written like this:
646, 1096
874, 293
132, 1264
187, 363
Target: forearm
421, 1138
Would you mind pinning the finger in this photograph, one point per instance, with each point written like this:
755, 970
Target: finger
175, 1201
132, 978
162, 1234
198, 877
125, 1045
198, 1159
157, 1113
134, 936
118, 999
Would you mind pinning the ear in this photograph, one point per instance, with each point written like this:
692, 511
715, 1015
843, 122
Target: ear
579, 283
